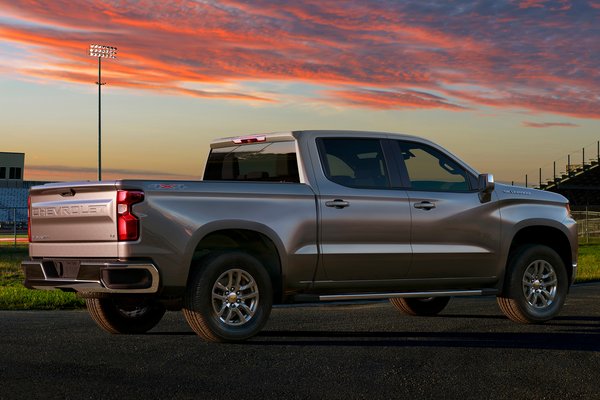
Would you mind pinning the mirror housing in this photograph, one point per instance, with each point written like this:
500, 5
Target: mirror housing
486, 187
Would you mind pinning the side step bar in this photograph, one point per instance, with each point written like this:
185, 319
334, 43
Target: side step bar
378, 296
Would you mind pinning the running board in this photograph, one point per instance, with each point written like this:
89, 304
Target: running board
376, 296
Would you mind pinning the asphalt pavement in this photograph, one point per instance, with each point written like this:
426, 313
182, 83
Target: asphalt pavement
352, 351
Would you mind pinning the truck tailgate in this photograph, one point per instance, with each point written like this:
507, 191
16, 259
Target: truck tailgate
74, 213
63, 215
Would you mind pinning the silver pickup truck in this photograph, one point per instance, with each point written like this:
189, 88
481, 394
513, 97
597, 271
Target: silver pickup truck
301, 216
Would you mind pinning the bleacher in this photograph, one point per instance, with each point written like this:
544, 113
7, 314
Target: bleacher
581, 186
13, 197
13, 206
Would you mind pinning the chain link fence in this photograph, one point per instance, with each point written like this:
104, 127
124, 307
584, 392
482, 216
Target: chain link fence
13, 226
588, 225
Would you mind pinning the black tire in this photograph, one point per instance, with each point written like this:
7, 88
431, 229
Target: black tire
217, 313
536, 285
125, 315
417, 306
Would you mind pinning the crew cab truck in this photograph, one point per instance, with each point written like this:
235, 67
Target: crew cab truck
301, 216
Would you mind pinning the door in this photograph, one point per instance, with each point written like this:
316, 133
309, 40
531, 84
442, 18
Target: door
364, 222
455, 237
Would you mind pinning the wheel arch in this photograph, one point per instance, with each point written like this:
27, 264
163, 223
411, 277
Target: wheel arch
252, 240
546, 236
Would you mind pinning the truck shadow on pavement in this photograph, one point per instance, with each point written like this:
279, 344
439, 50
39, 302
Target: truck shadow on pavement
567, 333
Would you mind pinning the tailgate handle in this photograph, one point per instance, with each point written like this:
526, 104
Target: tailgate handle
337, 203
425, 205
70, 193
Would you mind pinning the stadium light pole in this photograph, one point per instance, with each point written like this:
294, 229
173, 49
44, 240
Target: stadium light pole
100, 52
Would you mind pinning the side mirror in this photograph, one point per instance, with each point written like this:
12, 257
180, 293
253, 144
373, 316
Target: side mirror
486, 187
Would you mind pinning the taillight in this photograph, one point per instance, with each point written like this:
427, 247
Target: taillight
128, 225
29, 218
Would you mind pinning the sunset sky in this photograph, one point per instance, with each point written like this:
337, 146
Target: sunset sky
509, 86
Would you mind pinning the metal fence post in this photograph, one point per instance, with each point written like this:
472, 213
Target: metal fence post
15, 225
587, 225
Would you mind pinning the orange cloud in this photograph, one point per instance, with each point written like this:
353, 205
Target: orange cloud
537, 55
380, 99
530, 124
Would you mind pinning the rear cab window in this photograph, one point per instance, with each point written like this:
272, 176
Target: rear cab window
257, 162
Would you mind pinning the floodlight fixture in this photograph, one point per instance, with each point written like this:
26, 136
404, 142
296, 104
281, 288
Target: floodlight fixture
100, 51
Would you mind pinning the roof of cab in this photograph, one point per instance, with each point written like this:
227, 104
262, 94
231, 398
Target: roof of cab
284, 136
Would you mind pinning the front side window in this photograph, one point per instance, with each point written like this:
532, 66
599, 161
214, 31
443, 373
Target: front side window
270, 162
429, 169
357, 163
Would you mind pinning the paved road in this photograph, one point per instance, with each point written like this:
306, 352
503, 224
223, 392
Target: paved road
363, 351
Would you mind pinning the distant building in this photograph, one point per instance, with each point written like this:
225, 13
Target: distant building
12, 166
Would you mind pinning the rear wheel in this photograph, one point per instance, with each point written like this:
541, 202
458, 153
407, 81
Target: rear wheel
536, 285
229, 298
423, 306
125, 315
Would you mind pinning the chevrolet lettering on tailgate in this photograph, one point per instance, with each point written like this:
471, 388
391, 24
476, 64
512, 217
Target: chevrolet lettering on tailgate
68, 210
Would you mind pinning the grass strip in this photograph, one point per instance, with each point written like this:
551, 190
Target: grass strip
21, 298
589, 263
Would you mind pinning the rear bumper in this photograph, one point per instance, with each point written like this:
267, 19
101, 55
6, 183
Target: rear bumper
95, 276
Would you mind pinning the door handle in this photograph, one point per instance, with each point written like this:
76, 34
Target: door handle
337, 203
425, 205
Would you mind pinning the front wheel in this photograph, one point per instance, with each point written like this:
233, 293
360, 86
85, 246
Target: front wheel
125, 315
536, 285
426, 306
228, 298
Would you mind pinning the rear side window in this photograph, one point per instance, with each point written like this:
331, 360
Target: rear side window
268, 162
357, 163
